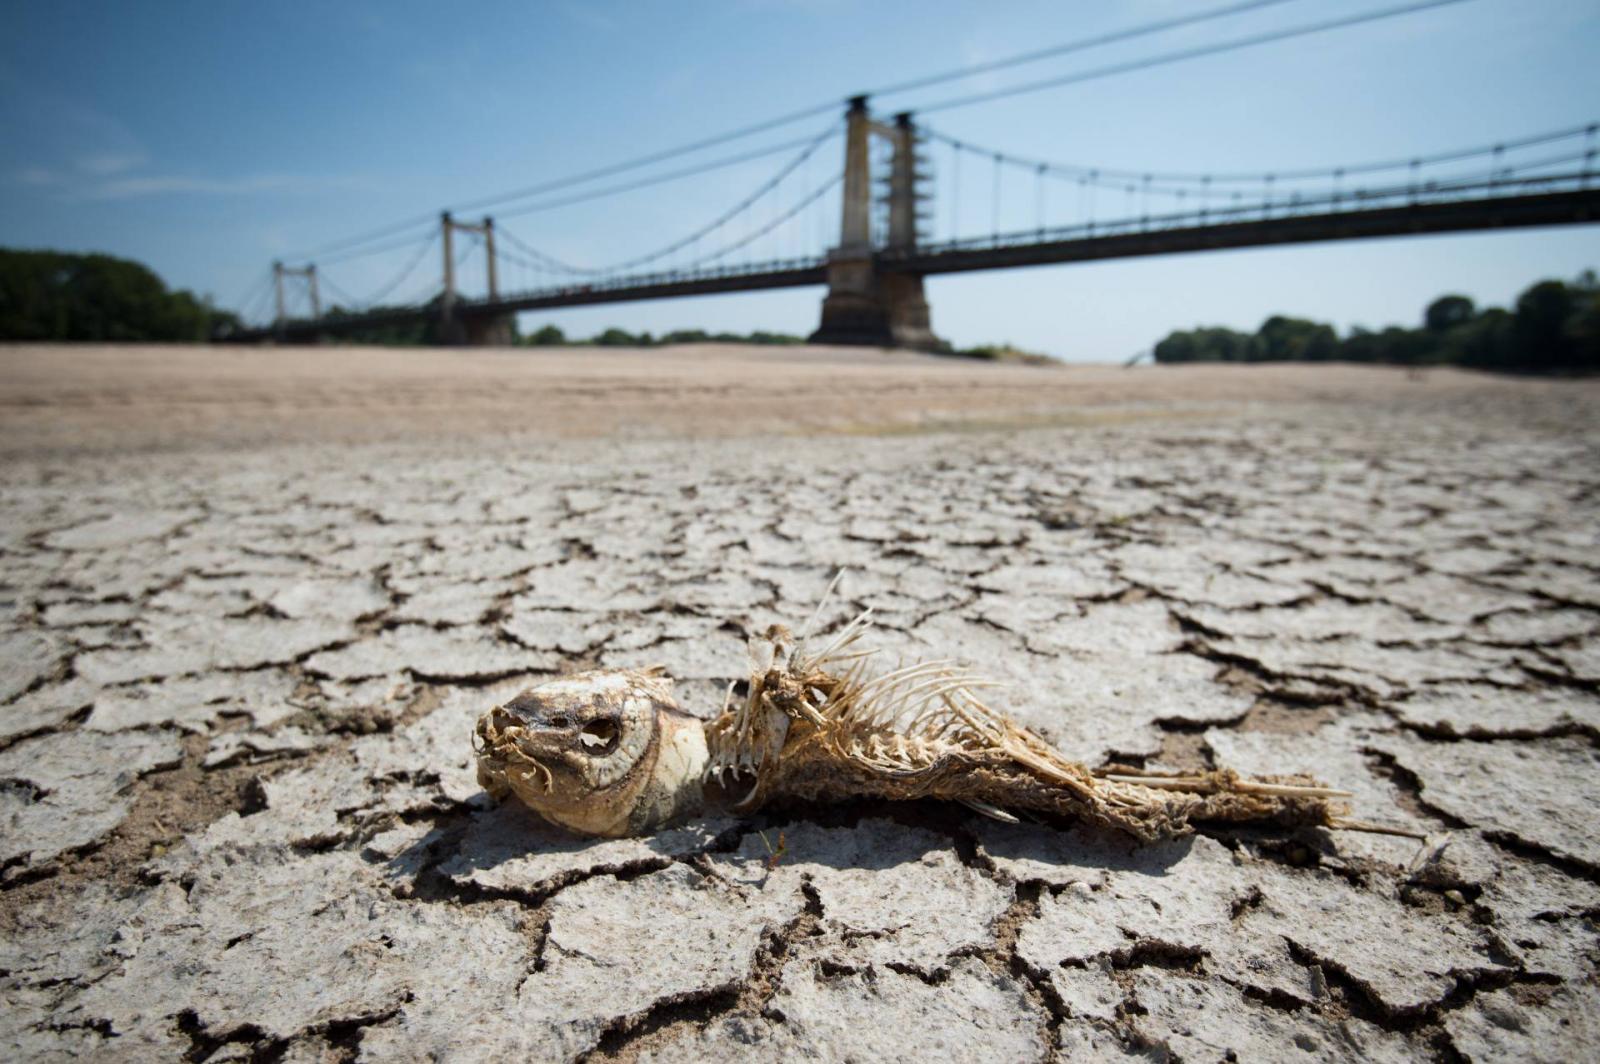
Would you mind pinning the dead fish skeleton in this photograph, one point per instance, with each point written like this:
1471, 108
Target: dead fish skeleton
610, 753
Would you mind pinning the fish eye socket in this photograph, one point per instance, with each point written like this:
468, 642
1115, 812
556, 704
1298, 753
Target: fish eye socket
599, 736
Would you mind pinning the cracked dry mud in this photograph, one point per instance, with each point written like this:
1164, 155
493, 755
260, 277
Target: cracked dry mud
241, 822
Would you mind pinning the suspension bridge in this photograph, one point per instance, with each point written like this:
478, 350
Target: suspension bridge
898, 200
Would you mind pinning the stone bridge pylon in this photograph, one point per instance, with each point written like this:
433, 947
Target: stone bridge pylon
866, 305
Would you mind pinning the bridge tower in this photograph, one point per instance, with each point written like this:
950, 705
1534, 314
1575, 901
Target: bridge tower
279, 272
280, 322
474, 328
865, 305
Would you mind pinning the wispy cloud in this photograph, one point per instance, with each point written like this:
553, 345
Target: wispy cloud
36, 176
80, 152
106, 163
135, 187
75, 184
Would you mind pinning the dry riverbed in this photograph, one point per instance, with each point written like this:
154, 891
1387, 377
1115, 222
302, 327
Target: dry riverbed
253, 600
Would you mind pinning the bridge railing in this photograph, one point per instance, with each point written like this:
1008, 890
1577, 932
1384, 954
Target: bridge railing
659, 278
620, 283
1324, 202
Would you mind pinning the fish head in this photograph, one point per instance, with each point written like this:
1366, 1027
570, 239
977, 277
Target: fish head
578, 750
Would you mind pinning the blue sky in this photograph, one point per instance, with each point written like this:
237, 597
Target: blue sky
207, 139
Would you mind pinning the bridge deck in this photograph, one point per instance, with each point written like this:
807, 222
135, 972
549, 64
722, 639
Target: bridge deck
1459, 216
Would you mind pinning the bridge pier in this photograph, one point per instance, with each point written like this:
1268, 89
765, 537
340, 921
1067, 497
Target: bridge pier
867, 307
865, 304
489, 330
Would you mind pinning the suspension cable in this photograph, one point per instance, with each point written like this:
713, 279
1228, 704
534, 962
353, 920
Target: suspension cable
350, 245
344, 297
362, 253
779, 121
252, 294
749, 238
258, 307
716, 223
383, 292
994, 207
1038, 200
541, 260
1116, 178
955, 191
1115, 37
792, 212
673, 175
467, 247
1185, 54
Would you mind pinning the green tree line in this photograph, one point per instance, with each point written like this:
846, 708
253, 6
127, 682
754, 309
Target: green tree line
425, 331
552, 336
1554, 327
55, 295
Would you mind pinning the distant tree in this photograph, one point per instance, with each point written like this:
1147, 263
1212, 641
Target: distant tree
1583, 327
1392, 345
1282, 339
1362, 345
1487, 342
1226, 345
547, 336
1447, 312
53, 295
1554, 328
1541, 327
762, 337
1405, 347
700, 336
1177, 346
1206, 344
615, 337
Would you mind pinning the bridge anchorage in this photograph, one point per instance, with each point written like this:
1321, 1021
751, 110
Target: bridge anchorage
865, 304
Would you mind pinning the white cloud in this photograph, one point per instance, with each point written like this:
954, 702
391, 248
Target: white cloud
182, 185
104, 164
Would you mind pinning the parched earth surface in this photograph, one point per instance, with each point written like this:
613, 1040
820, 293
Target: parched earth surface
240, 819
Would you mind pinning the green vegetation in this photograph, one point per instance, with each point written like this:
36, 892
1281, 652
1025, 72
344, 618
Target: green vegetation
551, 336
53, 295
1554, 328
